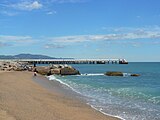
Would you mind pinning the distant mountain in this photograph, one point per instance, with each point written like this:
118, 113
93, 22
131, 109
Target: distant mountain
28, 56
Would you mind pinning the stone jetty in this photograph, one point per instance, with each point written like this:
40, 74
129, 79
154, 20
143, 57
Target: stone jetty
56, 69
44, 70
14, 66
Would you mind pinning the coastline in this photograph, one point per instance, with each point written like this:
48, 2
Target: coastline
67, 91
22, 97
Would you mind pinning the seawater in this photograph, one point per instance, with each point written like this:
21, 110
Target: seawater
130, 98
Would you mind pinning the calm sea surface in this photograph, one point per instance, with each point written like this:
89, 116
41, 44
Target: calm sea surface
131, 98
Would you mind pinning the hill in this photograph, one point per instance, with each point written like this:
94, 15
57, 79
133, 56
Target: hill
26, 56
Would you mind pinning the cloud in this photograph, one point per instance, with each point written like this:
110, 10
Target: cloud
124, 36
70, 39
54, 46
130, 29
9, 13
27, 6
14, 38
51, 12
97, 50
17, 40
68, 1
136, 38
138, 16
15, 7
3, 44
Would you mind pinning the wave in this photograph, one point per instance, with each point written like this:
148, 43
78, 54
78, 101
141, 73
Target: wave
101, 110
117, 99
126, 74
52, 77
101, 74
91, 74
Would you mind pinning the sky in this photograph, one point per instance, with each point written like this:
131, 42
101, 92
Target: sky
85, 29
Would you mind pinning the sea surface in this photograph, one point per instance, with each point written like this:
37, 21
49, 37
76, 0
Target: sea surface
130, 98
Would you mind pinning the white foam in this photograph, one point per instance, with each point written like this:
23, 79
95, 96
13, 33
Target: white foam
52, 77
101, 74
126, 74
91, 74
105, 113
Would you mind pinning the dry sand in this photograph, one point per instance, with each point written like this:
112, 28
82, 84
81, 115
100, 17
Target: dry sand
23, 99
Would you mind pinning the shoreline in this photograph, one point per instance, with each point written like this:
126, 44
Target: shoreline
24, 98
79, 96
68, 91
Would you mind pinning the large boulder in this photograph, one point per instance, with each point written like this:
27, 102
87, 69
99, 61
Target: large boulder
114, 73
69, 71
18, 68
42, 70
56, 71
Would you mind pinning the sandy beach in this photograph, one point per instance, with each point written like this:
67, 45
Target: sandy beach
21, 98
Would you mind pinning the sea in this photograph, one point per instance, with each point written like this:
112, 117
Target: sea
127, 97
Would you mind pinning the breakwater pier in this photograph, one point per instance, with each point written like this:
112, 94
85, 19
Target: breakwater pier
73, 61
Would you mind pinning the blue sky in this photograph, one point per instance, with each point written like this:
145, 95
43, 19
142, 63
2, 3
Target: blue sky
127, 29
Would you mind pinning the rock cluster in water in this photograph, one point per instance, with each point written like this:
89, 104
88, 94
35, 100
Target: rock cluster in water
111, 73
115, 73
44, 70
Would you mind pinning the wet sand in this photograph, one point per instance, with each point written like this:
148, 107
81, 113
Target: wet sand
23, 98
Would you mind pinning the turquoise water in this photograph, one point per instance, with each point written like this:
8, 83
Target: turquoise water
130, 98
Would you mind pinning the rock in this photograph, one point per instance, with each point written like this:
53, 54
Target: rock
69, 71
56, 71
49, 73
42, 70
135, 75
18, 68
112, 73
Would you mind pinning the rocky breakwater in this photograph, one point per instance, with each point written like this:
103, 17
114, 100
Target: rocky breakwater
115, 73
56, 69
43, 70
14, 66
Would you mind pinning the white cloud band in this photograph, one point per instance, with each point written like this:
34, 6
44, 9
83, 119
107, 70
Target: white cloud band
125, 36
28, 6
16, 40
61, 42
